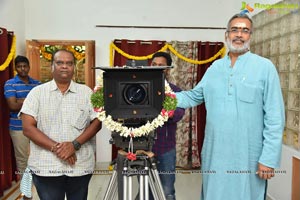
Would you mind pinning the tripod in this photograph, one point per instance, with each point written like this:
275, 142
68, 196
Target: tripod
124, 169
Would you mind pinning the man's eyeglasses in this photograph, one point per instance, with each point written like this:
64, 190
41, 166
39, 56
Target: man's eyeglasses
61, 63
244, 31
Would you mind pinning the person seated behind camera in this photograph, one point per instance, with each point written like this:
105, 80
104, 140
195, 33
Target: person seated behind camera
164, 146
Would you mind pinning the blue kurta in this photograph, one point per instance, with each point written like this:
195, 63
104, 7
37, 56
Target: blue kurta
244, 125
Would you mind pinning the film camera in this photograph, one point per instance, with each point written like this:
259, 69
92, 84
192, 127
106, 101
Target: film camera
133, 96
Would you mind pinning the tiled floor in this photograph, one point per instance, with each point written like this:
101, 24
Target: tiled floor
188, 184
12, 193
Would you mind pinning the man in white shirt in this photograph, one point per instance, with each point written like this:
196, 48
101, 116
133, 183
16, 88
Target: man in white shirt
60, 121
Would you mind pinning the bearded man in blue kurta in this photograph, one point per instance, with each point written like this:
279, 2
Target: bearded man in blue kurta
244, 122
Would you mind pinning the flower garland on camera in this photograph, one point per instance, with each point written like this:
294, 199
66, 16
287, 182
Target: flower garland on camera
169, 106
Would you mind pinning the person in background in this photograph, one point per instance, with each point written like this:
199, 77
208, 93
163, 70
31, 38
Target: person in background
164, 146
15, 91
244, 122
61, 123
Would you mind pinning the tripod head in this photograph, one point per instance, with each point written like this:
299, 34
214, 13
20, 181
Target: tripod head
139, 143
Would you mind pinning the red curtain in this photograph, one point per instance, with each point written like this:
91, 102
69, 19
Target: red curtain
7, 160
205, 51
135, 48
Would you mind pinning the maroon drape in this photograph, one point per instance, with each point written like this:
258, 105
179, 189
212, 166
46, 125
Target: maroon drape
135, 48
205, 51
7, 161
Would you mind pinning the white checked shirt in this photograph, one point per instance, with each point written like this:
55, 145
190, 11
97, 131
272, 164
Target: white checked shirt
62, 117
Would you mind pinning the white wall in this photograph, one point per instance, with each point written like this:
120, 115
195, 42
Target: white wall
12, 18
280, 187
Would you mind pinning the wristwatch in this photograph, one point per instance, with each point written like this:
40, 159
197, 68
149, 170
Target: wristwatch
76, 145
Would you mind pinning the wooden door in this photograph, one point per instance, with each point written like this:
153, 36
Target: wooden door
38, 69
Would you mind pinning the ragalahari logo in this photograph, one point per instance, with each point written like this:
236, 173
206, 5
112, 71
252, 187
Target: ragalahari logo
246, 8
282, 8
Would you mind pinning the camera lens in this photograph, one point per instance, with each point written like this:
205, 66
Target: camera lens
135, 94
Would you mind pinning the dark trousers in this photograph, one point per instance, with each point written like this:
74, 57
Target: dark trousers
166, 166
56, 188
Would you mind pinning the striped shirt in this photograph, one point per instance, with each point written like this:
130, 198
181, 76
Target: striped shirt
62, 117
15, 87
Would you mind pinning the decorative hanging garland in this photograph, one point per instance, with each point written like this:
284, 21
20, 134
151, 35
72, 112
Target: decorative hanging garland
221, 52
169, 106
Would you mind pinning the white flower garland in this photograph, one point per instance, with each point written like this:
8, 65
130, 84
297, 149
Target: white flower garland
139, 131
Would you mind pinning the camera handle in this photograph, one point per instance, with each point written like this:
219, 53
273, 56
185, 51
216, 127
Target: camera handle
144, 167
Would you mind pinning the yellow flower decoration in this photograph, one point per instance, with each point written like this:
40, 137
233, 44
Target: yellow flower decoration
48, 54
221, 53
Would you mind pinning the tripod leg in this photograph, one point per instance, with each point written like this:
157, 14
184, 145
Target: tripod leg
130, 188
112, 187
122, 172
152, 186
125, 182
146, 187
157, 185
141, 188
146, 177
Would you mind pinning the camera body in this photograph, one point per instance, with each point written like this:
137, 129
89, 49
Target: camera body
133, 93
133, 96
